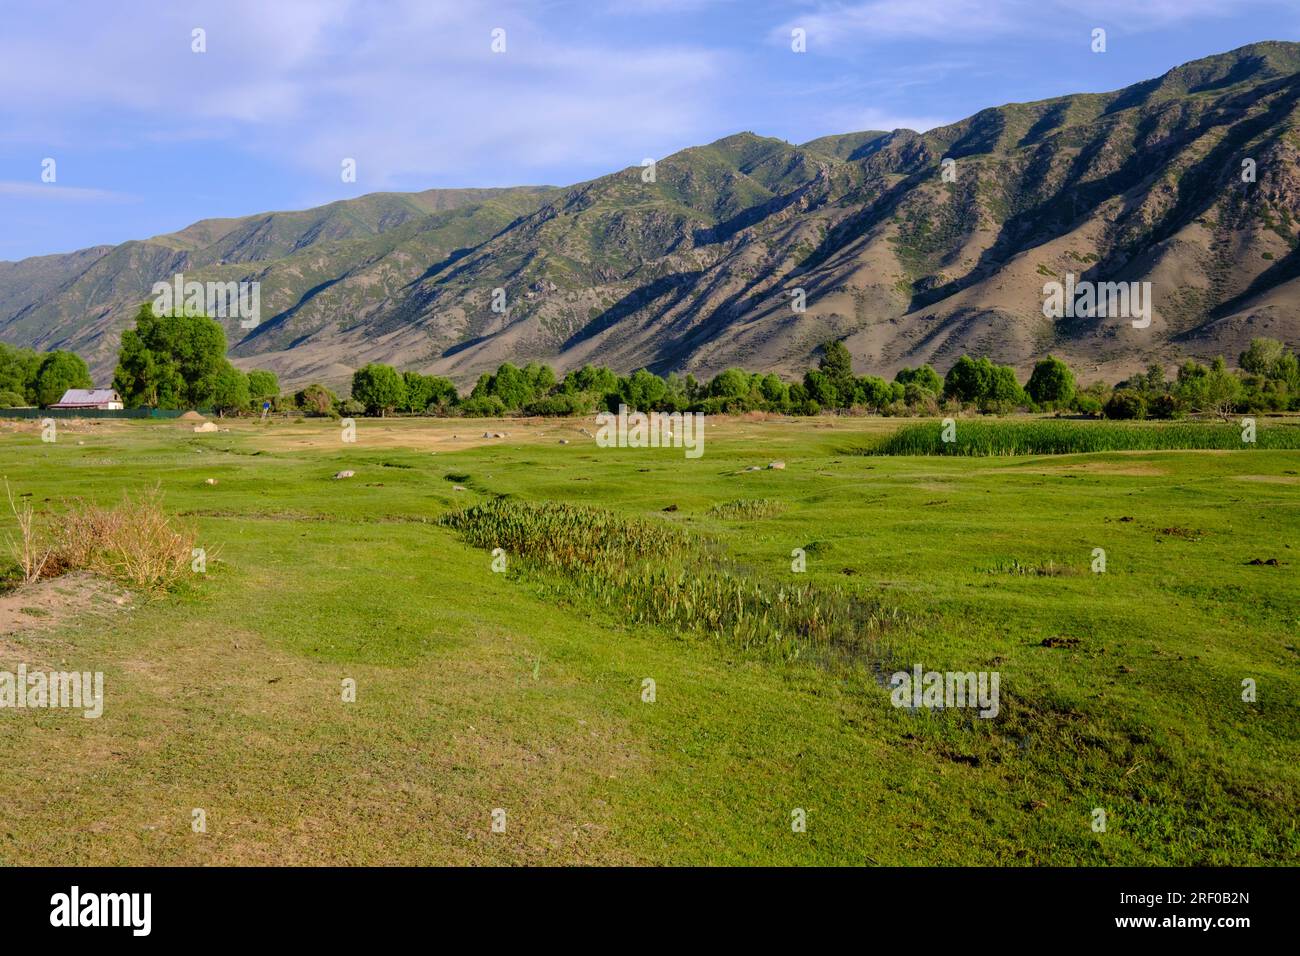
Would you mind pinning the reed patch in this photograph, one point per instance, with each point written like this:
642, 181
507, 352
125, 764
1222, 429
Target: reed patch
648, 572
975, 438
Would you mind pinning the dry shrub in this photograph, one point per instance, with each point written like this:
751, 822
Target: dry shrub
134, 541
33, 558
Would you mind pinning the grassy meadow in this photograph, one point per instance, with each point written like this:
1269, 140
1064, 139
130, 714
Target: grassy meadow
526, 689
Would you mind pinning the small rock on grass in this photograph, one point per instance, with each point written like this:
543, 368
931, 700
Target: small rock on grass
777, 465
344, 474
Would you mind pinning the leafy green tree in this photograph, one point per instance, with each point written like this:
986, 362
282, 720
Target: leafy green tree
774, 391
837, 365
923, 377
18, 372
643, 391
1051, 383
1126, 403
379, 388
263, 386
1004, 388
315, 399
733, 383
1223, 389
591, 378
512, 385
540, 378
1262, 357
821, 389
419, 391
875, 392
58, 372
169, 361
969, 380
425, 391
229, 389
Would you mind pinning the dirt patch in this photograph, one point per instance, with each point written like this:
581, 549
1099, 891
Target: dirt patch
1270, 479
55, 601
1096, 468
1059, 640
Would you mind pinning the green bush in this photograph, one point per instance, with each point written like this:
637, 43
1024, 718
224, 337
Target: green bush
1126, 403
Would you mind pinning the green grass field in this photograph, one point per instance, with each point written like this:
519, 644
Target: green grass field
523, 690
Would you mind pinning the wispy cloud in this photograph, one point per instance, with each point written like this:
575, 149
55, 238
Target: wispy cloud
832, 26
56, 193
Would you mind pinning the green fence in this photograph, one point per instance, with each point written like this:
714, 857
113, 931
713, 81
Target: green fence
98, 412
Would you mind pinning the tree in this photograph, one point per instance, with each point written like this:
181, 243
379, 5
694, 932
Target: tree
733, 383
18, 372
170, 361
315, 399
419, 391
379, 388
1051, 383
642, 391
1126, 403
262, 386
968, 380
1213, 389
821, 389
1223, 389
592, 378
229, 389
924, 377
837, 365
775, 392
876, 392
58, 372
1262, 357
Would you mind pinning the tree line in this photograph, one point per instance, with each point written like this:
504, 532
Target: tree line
179, 362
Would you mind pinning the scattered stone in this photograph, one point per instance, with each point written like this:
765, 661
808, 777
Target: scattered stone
1126, 518
671, 508
210, 481
457, 487
777, 465
1272, 562
564, 441
344, 474
488, 435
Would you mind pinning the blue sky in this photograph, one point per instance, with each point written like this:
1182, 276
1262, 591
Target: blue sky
149, 136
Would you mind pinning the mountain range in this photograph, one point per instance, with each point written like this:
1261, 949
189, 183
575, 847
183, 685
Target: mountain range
1189, 181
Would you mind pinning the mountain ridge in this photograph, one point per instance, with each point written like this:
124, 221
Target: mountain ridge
696, 270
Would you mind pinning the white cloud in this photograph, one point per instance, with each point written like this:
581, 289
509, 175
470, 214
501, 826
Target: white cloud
408, 88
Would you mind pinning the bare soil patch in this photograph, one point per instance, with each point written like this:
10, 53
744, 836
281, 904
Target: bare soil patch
52, 602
